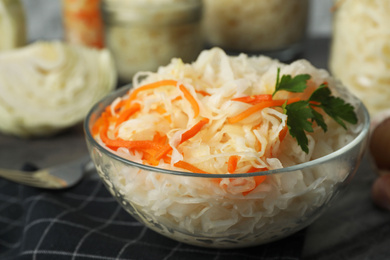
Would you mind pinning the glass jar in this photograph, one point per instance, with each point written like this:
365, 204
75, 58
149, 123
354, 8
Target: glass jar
275, 28
83, 22
12, 24
360, 51
143, 35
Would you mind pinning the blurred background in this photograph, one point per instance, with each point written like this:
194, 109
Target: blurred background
349, 38
44, 19
129, 37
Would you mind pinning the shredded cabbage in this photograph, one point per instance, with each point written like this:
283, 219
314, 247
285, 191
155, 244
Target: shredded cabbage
46, 87
360, 53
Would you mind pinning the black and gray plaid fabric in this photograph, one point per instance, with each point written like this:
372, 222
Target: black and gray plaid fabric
85, 222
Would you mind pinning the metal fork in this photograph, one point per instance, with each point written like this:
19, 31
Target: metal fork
57, 177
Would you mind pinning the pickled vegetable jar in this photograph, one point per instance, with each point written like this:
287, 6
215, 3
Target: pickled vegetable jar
12, 24
275, 28
360, 51
83, 22
143, 35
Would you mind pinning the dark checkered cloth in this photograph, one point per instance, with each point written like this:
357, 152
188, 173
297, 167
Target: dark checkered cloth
86, 222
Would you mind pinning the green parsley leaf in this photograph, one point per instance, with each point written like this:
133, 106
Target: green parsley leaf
292, 84
302, 114
335, 107
298, 121
319, 119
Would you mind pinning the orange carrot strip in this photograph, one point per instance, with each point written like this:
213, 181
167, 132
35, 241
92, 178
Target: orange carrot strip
253, 109
258, 179
253, 169
232, 163
157, 84
164, 151
191, 99
176, 98
162, 111
148, 158
136, 144
254, 99
193, 130
261, 178
283, 133
119, 105
159, 138
99, 123
202, 92
184, 137
314, 103
189, 167
168, 82
127, 113
116, 143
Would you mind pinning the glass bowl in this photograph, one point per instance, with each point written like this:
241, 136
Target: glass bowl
191, 208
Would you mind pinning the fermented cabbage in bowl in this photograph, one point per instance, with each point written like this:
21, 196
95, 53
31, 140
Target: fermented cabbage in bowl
188, 160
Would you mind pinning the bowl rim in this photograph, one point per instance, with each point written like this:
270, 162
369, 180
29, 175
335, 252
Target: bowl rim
122, 90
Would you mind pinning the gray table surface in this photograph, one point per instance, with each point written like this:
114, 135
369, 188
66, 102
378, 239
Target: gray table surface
353, 228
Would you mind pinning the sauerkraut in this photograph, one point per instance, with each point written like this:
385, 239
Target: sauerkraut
48, 86
254, 25
142, 35
12, 24
220, 212
360, 51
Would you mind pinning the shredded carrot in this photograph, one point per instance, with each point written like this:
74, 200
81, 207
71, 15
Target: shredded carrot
253, 109
254, 169
127, 113
191, 99
168, 82
202, 92
258, 179
193, 130
164, 151
184, 137
153, 85
99, 123
283, 133
232, 163
149, 154
119, 105
314, 103
159, 138
116, 143
254, 99
162, 111
176, 98
189, 167
136, 144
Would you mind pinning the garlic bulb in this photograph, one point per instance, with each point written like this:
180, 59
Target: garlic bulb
49, 86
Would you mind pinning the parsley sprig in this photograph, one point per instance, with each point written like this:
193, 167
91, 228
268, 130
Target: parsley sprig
302, 114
